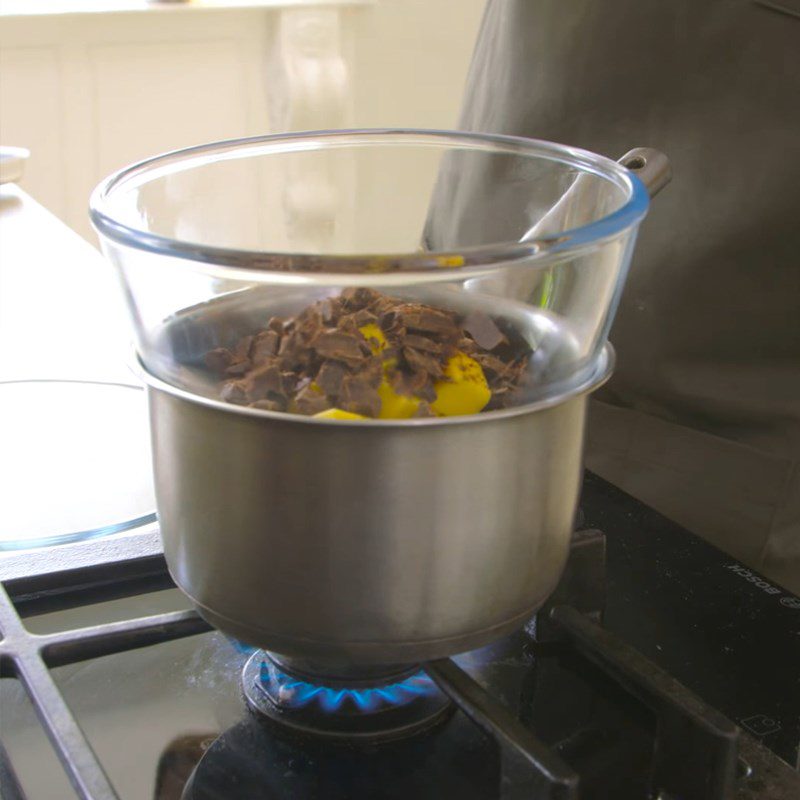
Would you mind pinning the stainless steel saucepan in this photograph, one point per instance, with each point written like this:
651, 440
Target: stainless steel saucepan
369, 541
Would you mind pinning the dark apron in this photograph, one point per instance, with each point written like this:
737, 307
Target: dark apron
702, 417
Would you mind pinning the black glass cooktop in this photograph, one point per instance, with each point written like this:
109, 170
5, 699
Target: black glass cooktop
715, 625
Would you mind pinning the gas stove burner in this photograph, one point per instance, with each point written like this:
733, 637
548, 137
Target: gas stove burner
369, 704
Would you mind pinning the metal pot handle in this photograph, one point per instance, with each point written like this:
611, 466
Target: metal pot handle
650, 166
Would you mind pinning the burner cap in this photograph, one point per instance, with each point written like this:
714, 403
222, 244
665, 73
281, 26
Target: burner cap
75, 461
366, 708
249, 761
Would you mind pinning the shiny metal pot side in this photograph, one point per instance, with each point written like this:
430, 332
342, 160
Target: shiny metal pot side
367, 542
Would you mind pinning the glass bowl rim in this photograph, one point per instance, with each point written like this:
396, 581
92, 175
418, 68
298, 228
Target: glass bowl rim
242, 263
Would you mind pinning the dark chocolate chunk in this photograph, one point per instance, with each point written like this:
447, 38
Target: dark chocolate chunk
311, 401
364, 317
242, 350
330, 377
417, 317
500, 398
516, 370
482, 329
219, 359
424, 410
468, 346
300, 383
293, 352
264, 345
381, 304
413, 384
422, 343
288, 345
262, 381
423, 362
340, 346
388, 320
490, 364
372, 371
327, 310
359, 396
354, 299
269, 405
238, 369
233, 392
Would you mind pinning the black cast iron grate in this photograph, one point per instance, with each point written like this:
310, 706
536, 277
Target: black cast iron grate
695, 747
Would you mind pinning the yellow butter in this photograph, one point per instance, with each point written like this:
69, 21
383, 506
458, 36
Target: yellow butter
465, 391
374, 336
338, 413
394, 405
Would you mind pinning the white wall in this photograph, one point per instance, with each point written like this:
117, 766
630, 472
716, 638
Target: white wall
411, 59
89, 93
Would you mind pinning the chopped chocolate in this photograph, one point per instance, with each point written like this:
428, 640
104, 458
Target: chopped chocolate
233, 392
491, 365
242, 350
516, 371
298, 384
482, 329
468, 346
309, 327
359, 396
340, 346
311, 401
413, 384
422, 343
424, 410
320, 359
417, 317
327, 310
238, 369
219, 359
372, 371
388, 320
347, 324
354, 299
289, 344
423, 362
269, 405
294, 354
262, 381
330, 377
265, 344
364, 317
502, 397
382, 304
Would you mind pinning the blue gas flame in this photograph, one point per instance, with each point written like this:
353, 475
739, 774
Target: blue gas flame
290, 692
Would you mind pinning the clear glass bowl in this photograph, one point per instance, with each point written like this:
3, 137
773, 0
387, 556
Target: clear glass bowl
213, 241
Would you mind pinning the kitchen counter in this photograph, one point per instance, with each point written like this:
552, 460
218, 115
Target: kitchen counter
60, 313
75, 457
